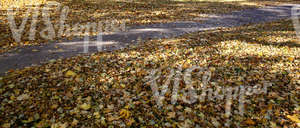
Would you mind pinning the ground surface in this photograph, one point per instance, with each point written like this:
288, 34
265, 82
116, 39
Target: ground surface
111, 89
36, 54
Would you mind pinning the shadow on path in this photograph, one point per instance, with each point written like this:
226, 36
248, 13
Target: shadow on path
113, 41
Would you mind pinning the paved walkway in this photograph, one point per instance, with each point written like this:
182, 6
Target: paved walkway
27, 57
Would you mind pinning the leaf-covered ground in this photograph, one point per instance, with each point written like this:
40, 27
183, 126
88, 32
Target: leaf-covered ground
129, 12
109, 89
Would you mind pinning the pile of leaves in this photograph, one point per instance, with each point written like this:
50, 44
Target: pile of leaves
109, 89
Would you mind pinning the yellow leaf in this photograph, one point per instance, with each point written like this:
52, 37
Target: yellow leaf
70, 74
294, 118
23, 97
41, 124
127, 106
6, 125
124, 113
30, 119
97, 115
130, 122
171, 115
47, 70
123, 85
291, 58
273, 125
35, 50
54, 106
85, 106
77, 68
239, 83
249, 122
107, 110
112, 118
75, 122
26, 43
297, 109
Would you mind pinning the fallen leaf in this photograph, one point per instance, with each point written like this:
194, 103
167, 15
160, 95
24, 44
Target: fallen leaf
291, 58
74, 122
294, 118
35, 50
97, 115
124, 113
23, 97
85, 106
171, 114
70, 74
249, 122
